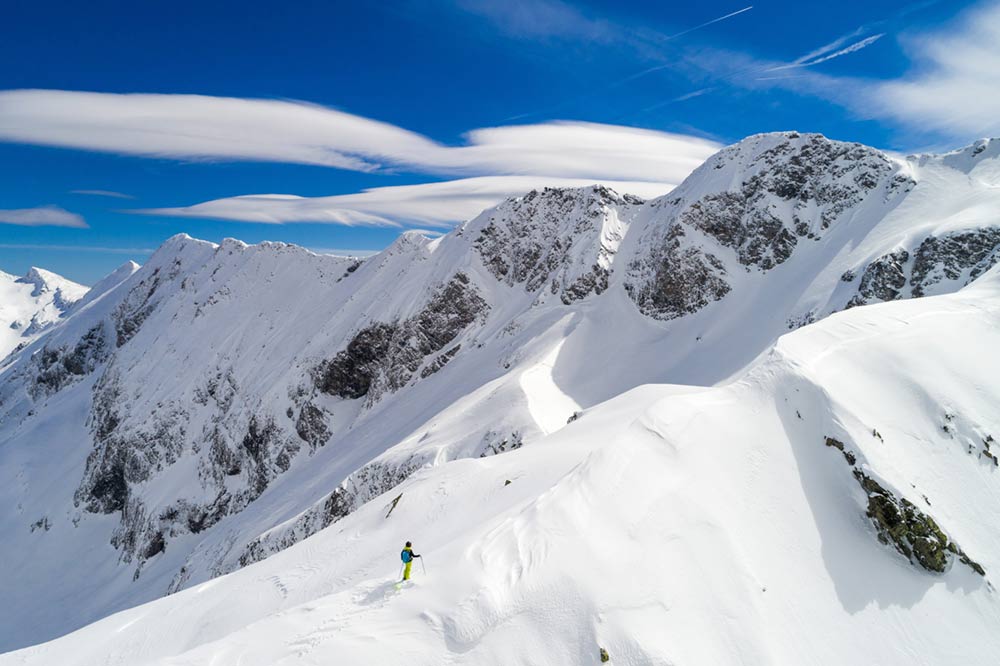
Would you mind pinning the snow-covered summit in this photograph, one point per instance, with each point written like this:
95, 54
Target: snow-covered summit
31, 303
47, 281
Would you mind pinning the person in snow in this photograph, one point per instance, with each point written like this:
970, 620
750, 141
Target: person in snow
407, 556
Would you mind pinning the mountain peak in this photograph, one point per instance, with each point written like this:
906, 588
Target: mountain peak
41, 278
44, 281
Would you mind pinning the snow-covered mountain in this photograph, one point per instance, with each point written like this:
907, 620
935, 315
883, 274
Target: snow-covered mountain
30, 304
828, 506
225, 402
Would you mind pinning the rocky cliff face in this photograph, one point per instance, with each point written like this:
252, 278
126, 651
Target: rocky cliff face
384, 357
747, 209
562, 241
937, 263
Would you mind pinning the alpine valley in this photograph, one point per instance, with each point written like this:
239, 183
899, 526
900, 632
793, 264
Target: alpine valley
753, 421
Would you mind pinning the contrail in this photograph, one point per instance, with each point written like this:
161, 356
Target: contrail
642, 73
856, 46
707, 23
835, 44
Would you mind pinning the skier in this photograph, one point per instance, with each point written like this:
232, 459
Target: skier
407, 556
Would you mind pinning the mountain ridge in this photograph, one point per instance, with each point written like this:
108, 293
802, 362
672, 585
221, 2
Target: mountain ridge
238, 398
762, 500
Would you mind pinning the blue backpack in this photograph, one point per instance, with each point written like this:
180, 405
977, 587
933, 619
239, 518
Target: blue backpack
406, 556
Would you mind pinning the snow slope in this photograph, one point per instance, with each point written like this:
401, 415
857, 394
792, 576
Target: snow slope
29, 304
670, 525
224, 402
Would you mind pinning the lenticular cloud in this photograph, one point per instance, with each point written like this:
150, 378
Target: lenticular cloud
225, 128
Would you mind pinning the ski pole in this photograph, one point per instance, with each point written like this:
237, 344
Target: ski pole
401, 570
423, 567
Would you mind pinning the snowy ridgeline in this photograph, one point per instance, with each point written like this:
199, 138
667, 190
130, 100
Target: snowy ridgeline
224, 402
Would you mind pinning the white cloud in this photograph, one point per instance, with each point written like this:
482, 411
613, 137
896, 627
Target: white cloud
956, 89
200, 127
432, 204
221, 128
583, 150
103, 193
502, 161
43, 216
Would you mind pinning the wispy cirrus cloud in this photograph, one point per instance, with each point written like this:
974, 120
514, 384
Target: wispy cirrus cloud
77, 248
433, 204
42, 216
223, 128
954, 89
103, 193
534, 19
541, 19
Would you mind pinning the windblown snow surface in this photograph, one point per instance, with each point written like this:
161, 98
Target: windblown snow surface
753, 421
670, 525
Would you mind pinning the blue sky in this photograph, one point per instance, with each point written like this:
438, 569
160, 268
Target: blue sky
410, 114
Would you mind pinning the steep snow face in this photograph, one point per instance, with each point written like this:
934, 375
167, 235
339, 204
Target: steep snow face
224, 402
844, 485
198, 382
107, 284
30, 304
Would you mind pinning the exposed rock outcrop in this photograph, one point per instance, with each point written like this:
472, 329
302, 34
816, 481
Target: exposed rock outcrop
383, 357
883, 279
791, 187
901, 524
563, 238
954, 256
